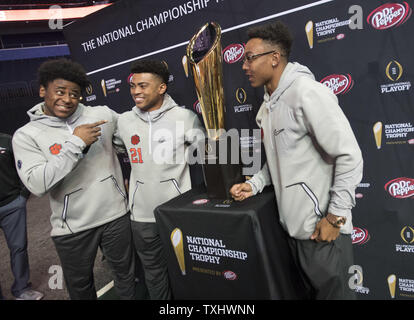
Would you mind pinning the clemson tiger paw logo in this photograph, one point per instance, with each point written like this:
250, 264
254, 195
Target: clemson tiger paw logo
135, 139
55, 149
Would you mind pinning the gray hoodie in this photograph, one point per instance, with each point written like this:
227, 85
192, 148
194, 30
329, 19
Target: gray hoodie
313, 159
157, 144
85, 190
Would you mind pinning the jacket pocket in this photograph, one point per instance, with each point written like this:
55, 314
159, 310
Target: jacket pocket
134, 193
64, 215
174, 183
148, 195
311, 195
116, 185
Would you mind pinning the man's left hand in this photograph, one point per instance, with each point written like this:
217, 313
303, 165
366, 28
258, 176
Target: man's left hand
324, 231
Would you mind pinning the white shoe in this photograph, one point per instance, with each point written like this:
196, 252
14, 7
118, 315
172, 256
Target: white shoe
30, 295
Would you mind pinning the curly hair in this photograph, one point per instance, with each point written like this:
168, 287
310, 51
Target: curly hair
156, 67
62, 69
276, 33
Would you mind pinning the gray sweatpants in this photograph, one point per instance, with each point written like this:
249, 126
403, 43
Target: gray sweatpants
324, 267
151, 252
77, 253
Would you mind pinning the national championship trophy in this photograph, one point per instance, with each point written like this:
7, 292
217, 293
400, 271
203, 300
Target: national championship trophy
205, 59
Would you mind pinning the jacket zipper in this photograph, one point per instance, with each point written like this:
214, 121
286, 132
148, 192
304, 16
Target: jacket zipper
269, 126
150, 129
311, 195
175, 183
116, 185
65, 209
133, 195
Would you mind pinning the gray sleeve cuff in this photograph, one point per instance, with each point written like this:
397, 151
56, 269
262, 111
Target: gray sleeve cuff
77, 142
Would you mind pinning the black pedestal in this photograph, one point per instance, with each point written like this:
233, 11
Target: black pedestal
220, 177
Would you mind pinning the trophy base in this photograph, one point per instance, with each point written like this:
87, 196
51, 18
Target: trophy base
218, 177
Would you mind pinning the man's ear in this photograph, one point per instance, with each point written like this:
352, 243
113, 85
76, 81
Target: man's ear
276, 58
42, 91
163, 88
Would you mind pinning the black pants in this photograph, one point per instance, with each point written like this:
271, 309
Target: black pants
151, 252
13, 223
77, 253
324, 267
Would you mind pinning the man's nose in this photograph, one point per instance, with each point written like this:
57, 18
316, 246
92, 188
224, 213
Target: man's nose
135, 90
66, 98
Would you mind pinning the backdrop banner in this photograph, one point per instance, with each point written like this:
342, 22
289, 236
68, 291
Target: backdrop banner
359, 49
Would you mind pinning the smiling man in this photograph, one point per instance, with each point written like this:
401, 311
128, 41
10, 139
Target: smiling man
313, 161
66, 151
156, 133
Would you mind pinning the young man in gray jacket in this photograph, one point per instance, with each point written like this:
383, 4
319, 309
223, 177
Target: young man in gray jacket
155, 133
313, 161
66, 151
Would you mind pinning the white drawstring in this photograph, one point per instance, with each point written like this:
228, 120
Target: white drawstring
150, 138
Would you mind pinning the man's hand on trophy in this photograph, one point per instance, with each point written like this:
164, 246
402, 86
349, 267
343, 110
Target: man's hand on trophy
241, 191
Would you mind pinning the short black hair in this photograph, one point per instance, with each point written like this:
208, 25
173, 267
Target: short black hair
62, 69
276, 33
156, 67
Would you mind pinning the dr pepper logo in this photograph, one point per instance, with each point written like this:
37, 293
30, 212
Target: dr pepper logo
400, 188
389, 15
229, 275
338, 83
233, 53
359, 236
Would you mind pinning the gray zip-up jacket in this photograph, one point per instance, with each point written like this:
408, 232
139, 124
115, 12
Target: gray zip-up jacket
157, 144
85, 190
313, 159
